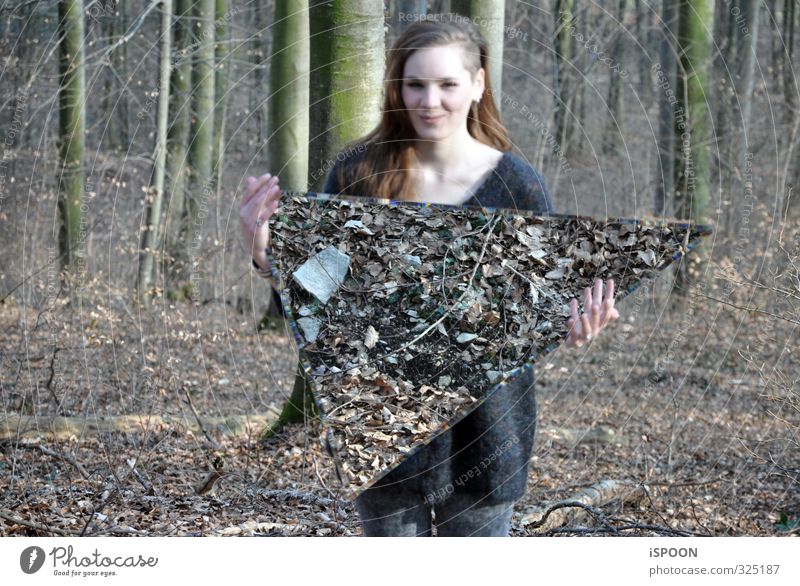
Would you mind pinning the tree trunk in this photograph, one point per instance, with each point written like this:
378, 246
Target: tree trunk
299, 406
789, 80
489, 18
692, 131
440, 6
178, 138
111, 90
222, 63
259, 51
614, 132
347, 66
747, 45
288, 109
404, 12
665, 186
155, 196
345, 93
220, 84
725, 103
72, 118
643, 31
120, 64
201, 150
792, 174
562, 84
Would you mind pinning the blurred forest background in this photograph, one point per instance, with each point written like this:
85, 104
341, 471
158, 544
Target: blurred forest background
139, 348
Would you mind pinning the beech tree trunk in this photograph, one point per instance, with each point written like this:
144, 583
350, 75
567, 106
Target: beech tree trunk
746, 43
613, 136
345, 96
665, 80
72, 119
692, 131
347, 68
221, 65
178, 138
155, 196
289, 108
562, 77
201, 149
489, 18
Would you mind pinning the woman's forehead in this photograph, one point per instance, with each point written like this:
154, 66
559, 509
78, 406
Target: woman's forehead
435, 63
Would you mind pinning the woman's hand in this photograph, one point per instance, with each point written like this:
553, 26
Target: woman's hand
260, 201
598, 313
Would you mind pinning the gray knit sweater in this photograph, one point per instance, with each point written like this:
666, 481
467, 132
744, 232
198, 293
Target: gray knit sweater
485, 454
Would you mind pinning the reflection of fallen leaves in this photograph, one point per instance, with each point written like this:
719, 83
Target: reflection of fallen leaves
461, 298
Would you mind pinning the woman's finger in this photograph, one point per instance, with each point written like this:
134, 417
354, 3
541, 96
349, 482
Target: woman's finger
597, 305
610, 292
573, 339
574, 332
270, 202
588, 332
269, 209
609, 311
587, 309
251, 203
576, 324
254, 206
254, 185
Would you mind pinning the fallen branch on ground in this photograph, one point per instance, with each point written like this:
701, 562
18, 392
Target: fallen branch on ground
26, 426
587, 500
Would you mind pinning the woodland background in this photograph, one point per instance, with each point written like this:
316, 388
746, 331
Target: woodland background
140, 360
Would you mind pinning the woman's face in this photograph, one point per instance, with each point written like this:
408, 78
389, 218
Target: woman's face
438, 92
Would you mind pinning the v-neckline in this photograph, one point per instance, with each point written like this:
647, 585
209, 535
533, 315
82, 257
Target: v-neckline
483, 184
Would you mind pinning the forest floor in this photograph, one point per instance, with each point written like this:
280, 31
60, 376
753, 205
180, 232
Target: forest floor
696, 426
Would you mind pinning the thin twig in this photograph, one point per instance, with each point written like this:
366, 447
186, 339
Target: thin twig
597, 513
148, 488
652, 504
304, 497
631, 526
49, 384
757, 285
686, 483
751, 309
199, 421
39, 527
117, 530
64, 457
322, 482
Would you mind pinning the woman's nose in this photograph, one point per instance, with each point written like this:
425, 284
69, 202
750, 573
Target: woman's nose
430, 98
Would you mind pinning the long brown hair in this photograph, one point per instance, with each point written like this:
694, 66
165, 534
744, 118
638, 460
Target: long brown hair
388, 150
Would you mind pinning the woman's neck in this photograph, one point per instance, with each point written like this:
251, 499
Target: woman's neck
442, 156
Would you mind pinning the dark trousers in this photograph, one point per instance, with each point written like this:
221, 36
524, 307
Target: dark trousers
399, 514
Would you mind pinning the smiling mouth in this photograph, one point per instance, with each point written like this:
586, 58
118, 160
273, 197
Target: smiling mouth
432, 119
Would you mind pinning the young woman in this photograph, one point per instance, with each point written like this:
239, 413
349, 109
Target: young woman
440, 140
